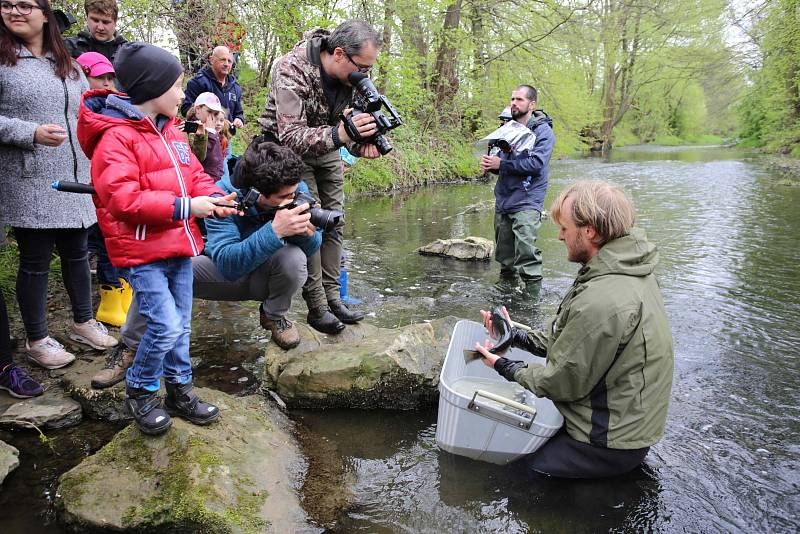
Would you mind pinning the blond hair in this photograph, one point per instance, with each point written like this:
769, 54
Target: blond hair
604, 206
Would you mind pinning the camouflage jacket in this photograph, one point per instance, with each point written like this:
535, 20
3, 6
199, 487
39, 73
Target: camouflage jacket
297, 112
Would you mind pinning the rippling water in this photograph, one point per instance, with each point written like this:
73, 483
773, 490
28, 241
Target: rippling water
729, 238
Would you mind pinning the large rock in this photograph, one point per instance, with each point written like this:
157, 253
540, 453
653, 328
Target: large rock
9, 460
470, 248
239, 474
50, 410
363, 367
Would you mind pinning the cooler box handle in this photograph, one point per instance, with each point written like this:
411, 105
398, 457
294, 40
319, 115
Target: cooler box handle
499, 414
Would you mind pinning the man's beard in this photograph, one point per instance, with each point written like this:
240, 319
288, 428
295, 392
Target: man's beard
517, 114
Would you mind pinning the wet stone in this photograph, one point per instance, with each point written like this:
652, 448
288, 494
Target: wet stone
468, 249
9, 460
104, 404
51, 410
238, 475
363, 367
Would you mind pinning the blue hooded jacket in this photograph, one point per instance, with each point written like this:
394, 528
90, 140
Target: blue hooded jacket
523, 177
230, 96
240, 245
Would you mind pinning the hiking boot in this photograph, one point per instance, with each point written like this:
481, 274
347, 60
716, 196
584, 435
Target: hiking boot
183, 401
145, 408
323, 320
18, 383
116, 364
345, 314
93, 334
284, 332
48, 353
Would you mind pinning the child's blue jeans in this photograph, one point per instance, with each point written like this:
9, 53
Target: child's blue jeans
163, 292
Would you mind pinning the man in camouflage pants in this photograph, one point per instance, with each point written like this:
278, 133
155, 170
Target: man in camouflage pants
308, 97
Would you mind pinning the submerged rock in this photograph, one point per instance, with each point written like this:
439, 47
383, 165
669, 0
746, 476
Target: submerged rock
9, 460
470, 248
363, 367
50, 410
239, 474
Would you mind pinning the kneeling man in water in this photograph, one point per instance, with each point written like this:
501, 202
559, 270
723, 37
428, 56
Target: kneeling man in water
608, 350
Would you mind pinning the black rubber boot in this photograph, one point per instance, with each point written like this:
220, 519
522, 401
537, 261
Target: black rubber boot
323, 320
183, 402
145, 407
345, 314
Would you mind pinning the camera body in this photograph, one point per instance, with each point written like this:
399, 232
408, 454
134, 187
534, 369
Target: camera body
321, 218
368, 100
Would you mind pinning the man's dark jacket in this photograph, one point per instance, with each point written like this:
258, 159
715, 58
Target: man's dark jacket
523, 177
230, 95
84, 42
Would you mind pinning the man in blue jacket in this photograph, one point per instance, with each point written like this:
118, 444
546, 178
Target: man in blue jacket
260, 256
217, 79
519, 192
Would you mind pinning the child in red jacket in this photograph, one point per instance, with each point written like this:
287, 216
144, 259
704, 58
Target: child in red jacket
149, 189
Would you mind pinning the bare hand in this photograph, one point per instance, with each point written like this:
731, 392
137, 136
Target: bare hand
364, 123
370, 151
237, 123
291, 222
206, 206
490, 163
489, 359
49, 135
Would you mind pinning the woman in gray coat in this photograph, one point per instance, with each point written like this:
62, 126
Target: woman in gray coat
40, 89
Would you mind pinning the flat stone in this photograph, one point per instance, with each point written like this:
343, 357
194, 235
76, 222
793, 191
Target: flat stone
104, 404
53, 409
238, 475
364, 367
468, 249
9, 460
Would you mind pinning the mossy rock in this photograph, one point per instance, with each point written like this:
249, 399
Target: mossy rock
364, 367
238, 475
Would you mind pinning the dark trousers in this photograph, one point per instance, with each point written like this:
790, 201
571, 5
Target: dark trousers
35, 252
5, 334
565, 457
106, 273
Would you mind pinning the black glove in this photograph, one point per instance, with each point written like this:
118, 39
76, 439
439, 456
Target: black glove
506, 368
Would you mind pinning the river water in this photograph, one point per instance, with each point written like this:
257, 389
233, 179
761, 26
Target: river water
729, 236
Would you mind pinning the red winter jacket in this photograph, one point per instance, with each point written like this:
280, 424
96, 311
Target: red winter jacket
144, 179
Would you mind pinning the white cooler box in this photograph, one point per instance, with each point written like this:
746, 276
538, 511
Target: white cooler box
483, 416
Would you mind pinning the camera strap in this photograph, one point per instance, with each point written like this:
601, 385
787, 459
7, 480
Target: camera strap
351, 129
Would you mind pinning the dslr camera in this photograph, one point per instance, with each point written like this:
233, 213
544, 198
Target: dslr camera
321, 218
368, 100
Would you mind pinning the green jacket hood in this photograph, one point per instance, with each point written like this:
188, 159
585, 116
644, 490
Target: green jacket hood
631, 255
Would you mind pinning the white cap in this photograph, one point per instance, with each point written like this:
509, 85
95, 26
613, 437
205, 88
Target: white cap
209, 100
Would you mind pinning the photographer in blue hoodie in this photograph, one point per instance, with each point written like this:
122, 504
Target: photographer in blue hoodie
519, 193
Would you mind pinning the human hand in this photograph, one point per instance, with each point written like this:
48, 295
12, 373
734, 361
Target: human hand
237, 123
225, 211
370, 151
487, 320
49, 135
489, 359
205, 206
490, 163
364, 123
292, 222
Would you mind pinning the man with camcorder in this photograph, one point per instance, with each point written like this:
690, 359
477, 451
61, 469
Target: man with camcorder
310, 111
261, 255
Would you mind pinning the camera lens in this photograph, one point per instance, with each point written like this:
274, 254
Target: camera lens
325, 219
383, 144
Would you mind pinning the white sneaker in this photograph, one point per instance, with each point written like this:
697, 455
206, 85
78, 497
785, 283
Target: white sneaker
48, 353
93, 334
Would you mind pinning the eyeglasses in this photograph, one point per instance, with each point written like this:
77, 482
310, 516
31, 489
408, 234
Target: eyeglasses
361, 68
23, 8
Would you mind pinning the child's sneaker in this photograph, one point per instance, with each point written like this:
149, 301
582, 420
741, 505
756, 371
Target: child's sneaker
145, 407
48, 353
183, 401
18, 383
93, 334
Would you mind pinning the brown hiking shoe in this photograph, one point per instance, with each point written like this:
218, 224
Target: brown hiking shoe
284, 332
116, 364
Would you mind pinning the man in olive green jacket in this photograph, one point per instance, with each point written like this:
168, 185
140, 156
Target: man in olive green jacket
609, 348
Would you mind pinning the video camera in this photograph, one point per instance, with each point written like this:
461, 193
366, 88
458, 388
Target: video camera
501, 145
369, 100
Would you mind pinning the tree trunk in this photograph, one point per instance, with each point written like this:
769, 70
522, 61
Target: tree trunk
386, 48
445, 74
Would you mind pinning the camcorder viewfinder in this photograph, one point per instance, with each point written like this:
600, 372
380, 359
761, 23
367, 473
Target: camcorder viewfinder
368, 100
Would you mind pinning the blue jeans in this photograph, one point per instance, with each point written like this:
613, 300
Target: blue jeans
163, 293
